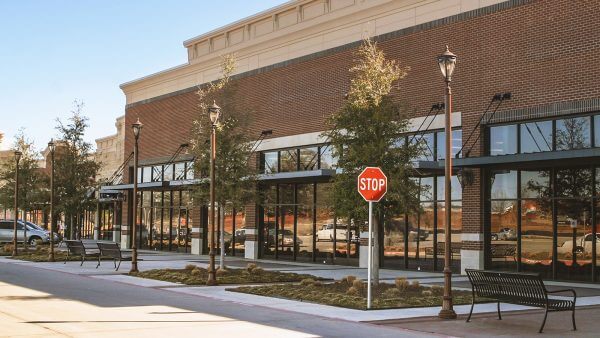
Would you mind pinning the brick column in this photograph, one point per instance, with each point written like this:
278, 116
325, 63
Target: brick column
471, 253
197, 231
251, 243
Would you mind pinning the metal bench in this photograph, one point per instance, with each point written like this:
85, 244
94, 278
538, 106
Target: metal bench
76, 248
518, 288
504, 251
441, 248
112, 250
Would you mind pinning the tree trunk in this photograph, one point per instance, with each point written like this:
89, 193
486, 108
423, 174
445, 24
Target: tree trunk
71, 226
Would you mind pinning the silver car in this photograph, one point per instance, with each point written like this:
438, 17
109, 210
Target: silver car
34, 234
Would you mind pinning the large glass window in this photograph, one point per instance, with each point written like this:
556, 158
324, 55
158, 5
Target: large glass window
304, 221
504, 185
189, 171
168, 172
536, 137
157, 173
309, 158
289, 160
573, 133
180, 171
328, 160
426, 146
441, 143
503, 140
147, 174
270, 162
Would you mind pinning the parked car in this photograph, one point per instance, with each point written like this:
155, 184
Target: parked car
57, 237
583, 244
505, 234
33, 234
285, 238
326, 232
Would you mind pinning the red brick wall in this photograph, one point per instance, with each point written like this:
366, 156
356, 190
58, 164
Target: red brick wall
542, 51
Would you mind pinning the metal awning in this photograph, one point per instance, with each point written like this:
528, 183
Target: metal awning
563, 157
297, 175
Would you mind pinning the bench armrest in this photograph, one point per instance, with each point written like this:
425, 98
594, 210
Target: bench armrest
565, 290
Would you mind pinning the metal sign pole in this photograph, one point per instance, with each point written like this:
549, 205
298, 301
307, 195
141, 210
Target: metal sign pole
370, 255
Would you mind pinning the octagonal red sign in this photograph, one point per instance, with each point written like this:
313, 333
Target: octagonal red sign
372, 184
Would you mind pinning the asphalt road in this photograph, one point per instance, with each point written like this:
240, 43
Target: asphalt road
38, 302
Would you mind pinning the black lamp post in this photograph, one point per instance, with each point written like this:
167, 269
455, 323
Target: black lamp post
214, 112
137, 129
52, 148
447, 61
17, 159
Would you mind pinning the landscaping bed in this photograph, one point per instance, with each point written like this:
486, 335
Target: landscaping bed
39, 253
352, 293
194, 275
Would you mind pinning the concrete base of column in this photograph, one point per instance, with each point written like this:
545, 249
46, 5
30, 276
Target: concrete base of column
251, 244
116, 233
125, 237
471, 259
196, 241
96, 233
363, 251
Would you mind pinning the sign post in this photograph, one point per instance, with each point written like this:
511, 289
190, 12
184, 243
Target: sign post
372, 186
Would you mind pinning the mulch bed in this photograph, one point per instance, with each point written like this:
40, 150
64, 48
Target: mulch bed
352, 293
194, 275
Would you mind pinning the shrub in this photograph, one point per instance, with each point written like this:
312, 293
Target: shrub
190, 267
250, 267
196, 272
427, 293
437, 289
349, 279
353, 291
357, 284
391, 293
222, 272
307, 282
8, 248
401, 283
257, 270
415, 285
317, 283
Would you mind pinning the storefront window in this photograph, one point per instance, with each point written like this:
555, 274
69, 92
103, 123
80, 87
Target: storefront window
455, 185
536, 137
328, 161
157, 172
536, 236
503, 140
441, 143
535, 184
309, 158
289, 160
426, 146
168, 172
573, 133
270, 162
189, 171
304, 221
147, 174
504, 185
179, 171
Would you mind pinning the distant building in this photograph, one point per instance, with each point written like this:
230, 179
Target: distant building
110, 150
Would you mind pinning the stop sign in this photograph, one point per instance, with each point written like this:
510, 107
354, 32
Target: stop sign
372, 184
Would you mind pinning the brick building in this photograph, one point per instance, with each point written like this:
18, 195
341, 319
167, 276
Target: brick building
526, 199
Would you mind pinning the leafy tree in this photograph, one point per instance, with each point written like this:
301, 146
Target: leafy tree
76, 168
365, 132
235, 177
33, 188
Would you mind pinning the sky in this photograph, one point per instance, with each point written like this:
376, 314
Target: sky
53, 52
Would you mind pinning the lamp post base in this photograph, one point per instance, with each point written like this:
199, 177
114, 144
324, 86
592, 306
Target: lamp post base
447, 314
134, 265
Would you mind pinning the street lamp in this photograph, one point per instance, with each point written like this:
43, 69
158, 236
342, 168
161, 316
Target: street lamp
214, 112
52, 148
447, 61
17, 159
137, 129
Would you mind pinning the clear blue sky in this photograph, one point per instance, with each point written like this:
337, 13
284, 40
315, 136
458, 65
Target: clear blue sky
55, 51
